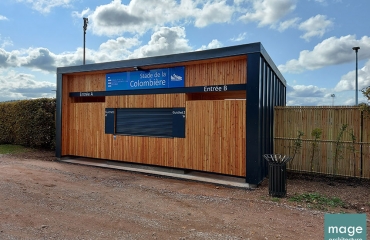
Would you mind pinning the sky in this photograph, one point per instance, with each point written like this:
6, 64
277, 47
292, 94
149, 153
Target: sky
310, 41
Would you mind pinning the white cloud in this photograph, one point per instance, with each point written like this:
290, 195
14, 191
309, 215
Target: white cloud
82, 14
347, 82
17, 86
305, 91
213, 44
116, 18
4, 42
216, 12
165, 41
267, 12
331, 51
239, 2
315, 26
350, 102
322, 2
119, 44
287, 24
3, 18
303, 95
45, 6
38, 59
240, 37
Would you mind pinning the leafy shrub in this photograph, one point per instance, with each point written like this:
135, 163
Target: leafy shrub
30, 123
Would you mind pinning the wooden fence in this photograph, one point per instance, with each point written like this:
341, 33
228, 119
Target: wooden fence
342, 149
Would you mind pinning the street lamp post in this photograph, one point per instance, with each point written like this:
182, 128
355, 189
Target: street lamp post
333, 96
356, 50
86, 21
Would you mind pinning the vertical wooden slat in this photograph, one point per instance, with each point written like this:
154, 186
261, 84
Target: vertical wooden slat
330, 120
216, 73
212, 135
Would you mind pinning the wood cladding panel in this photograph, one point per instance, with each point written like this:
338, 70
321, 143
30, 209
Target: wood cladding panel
146, 150
217, 95
66, 110
347, 144
366, 148
216, 129
86, 136
215, 136
215, 139
216, 73
75, 118
86, 83
146, 101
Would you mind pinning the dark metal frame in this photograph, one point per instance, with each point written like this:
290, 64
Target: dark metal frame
266, 88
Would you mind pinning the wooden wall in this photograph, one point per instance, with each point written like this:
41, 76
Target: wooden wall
337, 153
216, 73
215, 136
208, 117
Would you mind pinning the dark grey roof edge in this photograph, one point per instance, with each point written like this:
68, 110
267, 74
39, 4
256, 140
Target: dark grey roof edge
165, 59
272, 64
243, 49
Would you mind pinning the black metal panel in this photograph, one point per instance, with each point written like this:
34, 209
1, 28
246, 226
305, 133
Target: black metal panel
253, 121
264, 96
109, 120
264, 91
58, 123
178, 127
272, 65
198, 89
156, 122
272, 103
268, 92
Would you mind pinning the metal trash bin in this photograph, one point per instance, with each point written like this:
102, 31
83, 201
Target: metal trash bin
277, 174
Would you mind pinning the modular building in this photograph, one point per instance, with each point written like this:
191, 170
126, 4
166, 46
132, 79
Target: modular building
207, 111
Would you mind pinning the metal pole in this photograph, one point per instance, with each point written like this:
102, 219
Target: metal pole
84, 48
356, 50
333, 96
86, 21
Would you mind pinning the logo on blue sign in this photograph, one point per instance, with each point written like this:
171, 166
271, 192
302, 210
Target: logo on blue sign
156, 78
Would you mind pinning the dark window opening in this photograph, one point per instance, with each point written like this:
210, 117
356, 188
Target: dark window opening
156, 122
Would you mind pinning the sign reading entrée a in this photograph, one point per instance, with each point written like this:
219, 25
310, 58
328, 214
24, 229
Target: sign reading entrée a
155, 78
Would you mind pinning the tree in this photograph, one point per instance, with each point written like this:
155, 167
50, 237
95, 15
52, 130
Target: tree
366, 92
363, 106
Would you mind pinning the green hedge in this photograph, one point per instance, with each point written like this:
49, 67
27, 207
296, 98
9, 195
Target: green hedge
30, 123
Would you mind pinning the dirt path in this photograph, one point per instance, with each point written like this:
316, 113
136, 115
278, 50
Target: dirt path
44, 199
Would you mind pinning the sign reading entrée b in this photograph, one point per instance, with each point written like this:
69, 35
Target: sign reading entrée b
155, 78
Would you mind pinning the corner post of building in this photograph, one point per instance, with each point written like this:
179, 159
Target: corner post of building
58, 125
253, 121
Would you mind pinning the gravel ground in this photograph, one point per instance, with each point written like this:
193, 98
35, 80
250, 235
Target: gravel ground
44, 199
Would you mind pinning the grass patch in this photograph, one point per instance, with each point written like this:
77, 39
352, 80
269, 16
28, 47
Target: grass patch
317, 201
8, 148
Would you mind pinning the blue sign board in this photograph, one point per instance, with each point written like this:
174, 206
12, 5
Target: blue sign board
156, 78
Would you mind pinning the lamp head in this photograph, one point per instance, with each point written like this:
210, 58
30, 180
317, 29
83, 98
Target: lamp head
356, 48
86, 21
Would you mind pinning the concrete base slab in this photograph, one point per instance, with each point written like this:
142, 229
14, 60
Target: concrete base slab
163, 171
